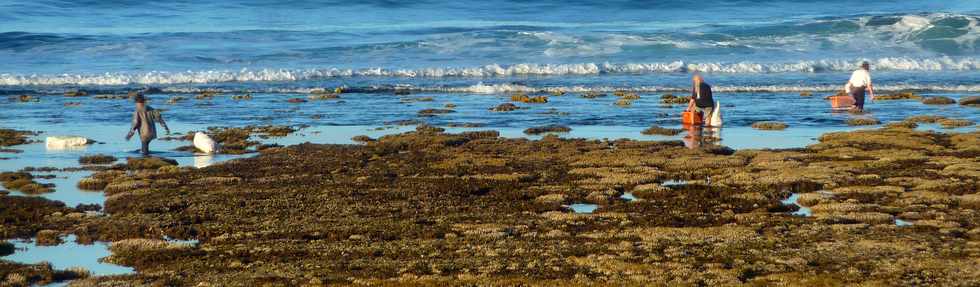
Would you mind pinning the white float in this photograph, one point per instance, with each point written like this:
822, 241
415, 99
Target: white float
204, 143
715, 119
66, 142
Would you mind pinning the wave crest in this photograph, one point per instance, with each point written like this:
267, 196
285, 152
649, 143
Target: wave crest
494, 70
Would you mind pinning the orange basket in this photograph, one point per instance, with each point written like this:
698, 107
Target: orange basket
841, 102
691, 118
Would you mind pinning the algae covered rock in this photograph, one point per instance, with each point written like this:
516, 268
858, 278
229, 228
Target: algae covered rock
862, 121
898, 96
658, 130
524, 98
90, 183
973, 101
938, 100
75, 93
902, 125
48, 238
318, 97
593, 95
97, 159
432, 112
447, 209
547, 129
924, 119
627, 95
624, 102
505, 107
426, 128
36, 188
769, 126
363, 139
10, 137
148, 162
671, 99
954, 123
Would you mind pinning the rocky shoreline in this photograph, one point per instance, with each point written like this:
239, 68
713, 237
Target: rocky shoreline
433, 208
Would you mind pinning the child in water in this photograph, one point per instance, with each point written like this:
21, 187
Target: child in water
144, 121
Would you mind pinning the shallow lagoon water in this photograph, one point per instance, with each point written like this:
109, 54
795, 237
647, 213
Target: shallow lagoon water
583, 207
68, 254
793, 199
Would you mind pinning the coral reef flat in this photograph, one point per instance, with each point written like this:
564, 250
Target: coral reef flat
890, 206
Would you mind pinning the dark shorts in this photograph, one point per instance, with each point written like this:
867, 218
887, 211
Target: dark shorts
858, 95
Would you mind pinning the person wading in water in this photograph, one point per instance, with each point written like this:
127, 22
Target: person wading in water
859, 84
701, 97
144, 121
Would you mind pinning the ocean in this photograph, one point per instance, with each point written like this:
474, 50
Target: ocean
485, 46
466, 55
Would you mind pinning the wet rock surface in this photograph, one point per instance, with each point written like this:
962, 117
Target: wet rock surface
772, 126
97, 159
16, 275
430, 208
10, 137
505, 107
658, 130
939, 100
973, 101
862, 122
547, 129
898, 96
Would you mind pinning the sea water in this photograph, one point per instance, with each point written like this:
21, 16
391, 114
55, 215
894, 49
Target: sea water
758, 56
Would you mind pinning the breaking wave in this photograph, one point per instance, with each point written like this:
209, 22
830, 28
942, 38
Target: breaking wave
580, 69
481, 88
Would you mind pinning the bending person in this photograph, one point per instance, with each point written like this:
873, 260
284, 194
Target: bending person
859, 84
144, 121
701, 98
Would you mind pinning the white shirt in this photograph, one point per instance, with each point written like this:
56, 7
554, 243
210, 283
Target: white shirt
860, 78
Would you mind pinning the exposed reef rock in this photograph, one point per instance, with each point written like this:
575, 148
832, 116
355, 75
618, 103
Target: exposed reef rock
432, 208
769, 126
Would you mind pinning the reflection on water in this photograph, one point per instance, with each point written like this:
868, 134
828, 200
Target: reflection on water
628, 196
68, 254
697, 136
900, 222
203, 160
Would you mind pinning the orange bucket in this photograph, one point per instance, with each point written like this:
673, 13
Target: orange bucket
841, 102
691, 118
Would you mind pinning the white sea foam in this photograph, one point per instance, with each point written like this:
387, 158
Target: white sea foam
509, 88
481, 88
494, 70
